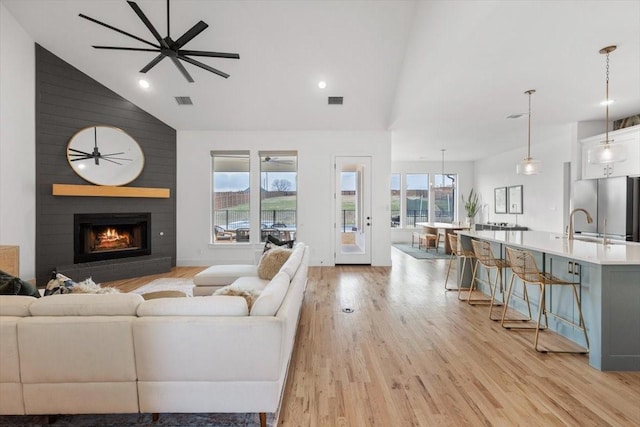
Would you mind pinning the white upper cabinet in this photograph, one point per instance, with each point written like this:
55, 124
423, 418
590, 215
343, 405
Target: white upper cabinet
630, 137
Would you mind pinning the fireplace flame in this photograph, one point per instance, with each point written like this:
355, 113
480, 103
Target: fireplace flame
113, 239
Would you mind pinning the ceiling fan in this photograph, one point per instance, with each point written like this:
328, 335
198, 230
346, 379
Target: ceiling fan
166, 46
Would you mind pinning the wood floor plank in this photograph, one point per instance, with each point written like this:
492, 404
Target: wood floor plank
411, 354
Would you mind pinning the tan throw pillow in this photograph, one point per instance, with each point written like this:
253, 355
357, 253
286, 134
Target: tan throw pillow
271, 262
250, 297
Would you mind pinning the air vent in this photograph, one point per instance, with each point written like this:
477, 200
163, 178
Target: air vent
184, 100
336, 100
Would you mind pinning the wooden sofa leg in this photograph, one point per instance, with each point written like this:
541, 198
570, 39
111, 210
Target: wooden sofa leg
155, 417
263, 419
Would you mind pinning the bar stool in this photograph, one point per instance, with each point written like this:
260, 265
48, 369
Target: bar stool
484, 256
524, 266
457, 252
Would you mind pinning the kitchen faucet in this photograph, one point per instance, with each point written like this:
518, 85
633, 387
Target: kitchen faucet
589, 220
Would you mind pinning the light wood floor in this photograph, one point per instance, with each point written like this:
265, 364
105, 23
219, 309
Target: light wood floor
411, 354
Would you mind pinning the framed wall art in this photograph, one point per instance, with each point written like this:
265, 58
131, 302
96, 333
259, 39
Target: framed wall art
500, 200
515, 199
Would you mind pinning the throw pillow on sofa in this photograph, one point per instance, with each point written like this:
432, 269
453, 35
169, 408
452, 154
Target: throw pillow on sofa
229, 290
272, 242
271, 262
11, 285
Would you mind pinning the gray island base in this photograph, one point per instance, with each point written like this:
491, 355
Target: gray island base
609, 278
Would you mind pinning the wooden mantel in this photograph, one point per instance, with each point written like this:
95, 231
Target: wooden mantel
109, 191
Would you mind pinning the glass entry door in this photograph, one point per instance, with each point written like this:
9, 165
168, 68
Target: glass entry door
353, 210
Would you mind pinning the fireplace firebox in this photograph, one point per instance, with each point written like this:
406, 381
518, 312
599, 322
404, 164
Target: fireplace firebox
106, 236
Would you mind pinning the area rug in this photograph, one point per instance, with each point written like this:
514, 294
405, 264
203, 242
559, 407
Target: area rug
167, 284
421, 253
131, 420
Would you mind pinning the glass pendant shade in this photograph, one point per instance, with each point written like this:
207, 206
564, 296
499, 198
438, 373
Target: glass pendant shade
529, 166
607, 153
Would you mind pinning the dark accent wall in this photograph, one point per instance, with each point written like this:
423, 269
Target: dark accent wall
67, 100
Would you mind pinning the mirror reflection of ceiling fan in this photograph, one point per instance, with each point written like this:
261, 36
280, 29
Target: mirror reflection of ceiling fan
268, 159
167, 47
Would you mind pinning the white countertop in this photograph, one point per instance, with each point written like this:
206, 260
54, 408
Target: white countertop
617, 253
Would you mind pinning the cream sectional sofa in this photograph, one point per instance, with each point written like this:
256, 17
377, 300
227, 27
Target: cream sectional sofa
117, 353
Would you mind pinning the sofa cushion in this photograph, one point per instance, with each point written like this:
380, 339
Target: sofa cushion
200, 306
272, 296
87, 305
271, 261
249, 284
15, 305
291, 266
221, 275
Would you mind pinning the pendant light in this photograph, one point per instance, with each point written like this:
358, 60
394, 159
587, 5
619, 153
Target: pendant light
529, 166
607, 151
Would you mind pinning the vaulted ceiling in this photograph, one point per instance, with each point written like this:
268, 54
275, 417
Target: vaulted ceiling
438, 74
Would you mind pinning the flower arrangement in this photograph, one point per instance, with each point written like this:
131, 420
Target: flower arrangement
471, 204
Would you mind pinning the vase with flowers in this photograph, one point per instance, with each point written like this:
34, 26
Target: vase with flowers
471, 206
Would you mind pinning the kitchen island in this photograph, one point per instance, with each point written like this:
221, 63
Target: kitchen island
609, 277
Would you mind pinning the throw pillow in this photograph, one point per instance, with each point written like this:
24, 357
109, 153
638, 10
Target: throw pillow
250, 297
271, 262
16, 284
274, 241
9, 287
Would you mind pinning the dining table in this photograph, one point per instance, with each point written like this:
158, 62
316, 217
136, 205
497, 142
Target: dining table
433, 227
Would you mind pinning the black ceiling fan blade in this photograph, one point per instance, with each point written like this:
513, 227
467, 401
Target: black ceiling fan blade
209, 54
204, 66
148, 23
127, 48
183, 70
189, 35
111, 27
153, 63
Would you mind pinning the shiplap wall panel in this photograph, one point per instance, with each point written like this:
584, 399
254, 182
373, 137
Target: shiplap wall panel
67, 100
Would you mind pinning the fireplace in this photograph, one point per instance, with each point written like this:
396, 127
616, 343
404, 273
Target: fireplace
106, 236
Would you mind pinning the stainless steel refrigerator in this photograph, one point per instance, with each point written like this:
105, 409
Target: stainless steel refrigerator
616, 200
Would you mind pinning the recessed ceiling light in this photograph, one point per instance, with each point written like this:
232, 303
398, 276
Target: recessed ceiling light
322, 84
144, 84
609, 102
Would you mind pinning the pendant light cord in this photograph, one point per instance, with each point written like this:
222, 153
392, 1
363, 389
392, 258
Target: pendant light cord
606, 140
529, 136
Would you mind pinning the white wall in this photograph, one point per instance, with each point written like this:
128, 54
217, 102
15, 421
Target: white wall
465, 171
544, 195
17, 141
316, 151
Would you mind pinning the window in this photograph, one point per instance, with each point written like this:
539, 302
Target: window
396, 180
417, 200
444, 195
278, 195
231, 196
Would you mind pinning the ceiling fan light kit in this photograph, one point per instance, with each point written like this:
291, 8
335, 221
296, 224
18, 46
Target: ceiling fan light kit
167, 47
607, 151
529, 166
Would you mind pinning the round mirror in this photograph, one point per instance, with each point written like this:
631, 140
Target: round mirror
105, 155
